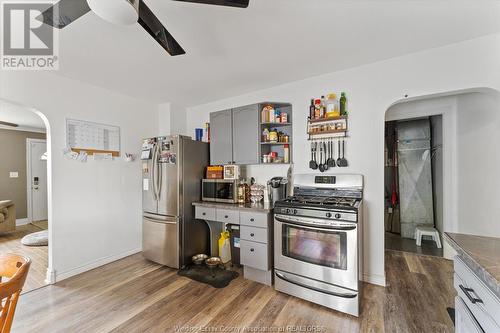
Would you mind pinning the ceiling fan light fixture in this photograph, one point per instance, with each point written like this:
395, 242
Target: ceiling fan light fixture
122, 12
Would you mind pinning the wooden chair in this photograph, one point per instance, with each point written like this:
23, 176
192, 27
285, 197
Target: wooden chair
15, 268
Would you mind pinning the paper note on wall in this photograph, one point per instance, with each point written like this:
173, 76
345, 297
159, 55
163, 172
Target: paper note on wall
145, 184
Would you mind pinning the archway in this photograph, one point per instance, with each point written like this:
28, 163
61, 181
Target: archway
29, 129
468, 119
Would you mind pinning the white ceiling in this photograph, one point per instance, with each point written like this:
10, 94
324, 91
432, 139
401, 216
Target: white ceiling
19, 115
231, 51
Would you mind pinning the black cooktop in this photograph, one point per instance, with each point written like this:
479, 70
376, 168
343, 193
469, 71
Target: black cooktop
319, 202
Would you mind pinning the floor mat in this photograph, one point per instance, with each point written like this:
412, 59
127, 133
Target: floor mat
216, 277
40, 238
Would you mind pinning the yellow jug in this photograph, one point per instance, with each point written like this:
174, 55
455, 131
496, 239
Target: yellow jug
225, 247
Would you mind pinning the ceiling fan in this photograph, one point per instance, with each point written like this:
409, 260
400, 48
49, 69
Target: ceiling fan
125, 12
5, 123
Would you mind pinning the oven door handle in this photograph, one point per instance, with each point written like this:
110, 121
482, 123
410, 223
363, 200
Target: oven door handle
332, 293
342, 228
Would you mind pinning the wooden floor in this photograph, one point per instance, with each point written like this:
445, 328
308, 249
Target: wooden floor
134, 295
397, 243
11, 243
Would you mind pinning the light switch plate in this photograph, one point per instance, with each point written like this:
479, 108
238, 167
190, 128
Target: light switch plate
14, 174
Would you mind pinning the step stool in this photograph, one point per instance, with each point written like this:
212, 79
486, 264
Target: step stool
427, 231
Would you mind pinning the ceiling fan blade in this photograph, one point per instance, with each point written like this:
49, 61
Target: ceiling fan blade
64, 12
153, 26
8, 124
229, 3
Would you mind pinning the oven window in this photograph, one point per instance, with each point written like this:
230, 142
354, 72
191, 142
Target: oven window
225, 190
209, 189
325, 248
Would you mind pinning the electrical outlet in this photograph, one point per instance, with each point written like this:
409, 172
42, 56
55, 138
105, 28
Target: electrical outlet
14, 174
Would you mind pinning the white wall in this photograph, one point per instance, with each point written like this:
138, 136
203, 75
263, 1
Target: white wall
371, 89
478, 126
96, 206
172, 119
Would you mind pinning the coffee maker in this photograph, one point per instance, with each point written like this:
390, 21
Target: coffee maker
277, 188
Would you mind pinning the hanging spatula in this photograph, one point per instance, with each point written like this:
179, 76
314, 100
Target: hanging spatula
343, 162
331, 160
312, 164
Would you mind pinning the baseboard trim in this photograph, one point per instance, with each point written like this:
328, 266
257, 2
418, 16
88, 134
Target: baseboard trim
379, 280
91, 265
22, 221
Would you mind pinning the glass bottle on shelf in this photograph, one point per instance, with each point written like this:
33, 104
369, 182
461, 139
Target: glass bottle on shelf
286, 154
241, 192
343, 104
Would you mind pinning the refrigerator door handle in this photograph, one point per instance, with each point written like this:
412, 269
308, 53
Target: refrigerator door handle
155, 172
160, 180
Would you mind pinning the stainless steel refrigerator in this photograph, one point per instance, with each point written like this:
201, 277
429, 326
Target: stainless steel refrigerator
172, 169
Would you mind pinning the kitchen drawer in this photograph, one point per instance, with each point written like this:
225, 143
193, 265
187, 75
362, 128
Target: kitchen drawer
228, 216
254, 234
254, 219
464, 320
204, 213
483, 304
254, 255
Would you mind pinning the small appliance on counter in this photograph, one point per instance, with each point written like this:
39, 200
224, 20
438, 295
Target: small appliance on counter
277, 188
219, 190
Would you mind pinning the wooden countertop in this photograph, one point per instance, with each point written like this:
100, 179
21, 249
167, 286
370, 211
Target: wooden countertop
263, 207
481, 254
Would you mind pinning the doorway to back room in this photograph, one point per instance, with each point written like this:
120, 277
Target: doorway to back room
23, 189
414, 185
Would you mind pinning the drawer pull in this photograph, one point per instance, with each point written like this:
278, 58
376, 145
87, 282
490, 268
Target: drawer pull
252, 220
467, 292
225, 216
204, 214
252, 234
251, 250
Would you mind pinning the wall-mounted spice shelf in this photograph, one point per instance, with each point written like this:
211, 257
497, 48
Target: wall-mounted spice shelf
325, 128
324, 120
327, 132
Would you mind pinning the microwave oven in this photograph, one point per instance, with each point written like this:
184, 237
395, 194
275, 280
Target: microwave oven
219, 190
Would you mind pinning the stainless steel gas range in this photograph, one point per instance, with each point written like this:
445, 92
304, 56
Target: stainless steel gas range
316, 241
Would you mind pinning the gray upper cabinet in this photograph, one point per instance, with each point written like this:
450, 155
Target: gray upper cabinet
221, 140
246, 134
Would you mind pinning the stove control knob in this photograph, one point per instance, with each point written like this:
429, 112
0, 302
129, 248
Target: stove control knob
295, 211
328, 214
338, 216
287, 211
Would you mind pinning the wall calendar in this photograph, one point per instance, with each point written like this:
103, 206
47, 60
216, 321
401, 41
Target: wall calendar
92, 138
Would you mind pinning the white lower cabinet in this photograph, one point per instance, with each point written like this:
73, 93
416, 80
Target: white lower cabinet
255, 234
464, 320
477, 308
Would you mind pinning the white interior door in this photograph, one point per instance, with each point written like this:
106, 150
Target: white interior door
38, 181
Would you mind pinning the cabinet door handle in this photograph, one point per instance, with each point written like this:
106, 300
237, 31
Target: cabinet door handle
225, 216
252, 219
251, 250
467, 292
252, 234
204, 214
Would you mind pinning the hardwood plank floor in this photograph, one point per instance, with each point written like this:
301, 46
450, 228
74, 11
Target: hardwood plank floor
10, 242
397, 243
134, 295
